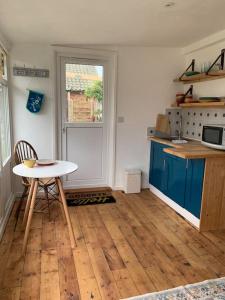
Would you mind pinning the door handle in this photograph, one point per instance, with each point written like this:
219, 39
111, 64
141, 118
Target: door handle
164, 164
63, 130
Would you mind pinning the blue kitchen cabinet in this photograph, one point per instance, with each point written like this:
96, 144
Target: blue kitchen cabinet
180, 179
194, 184
157, 166
175, 179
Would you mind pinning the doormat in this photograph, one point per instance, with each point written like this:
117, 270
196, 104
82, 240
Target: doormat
89, 196
213, 289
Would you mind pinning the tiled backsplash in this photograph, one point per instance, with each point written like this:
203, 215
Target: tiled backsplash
174, 119
193, 119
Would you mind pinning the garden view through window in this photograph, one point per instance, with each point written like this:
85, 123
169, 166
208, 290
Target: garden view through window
84, 89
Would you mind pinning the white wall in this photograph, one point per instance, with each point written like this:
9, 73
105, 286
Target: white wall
35, 128
145, 88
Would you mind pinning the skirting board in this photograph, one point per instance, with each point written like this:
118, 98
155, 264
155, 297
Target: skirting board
118, 188
5, 218
180, 210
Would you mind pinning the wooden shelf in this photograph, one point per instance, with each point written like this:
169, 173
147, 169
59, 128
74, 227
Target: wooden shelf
200, 78
205, 104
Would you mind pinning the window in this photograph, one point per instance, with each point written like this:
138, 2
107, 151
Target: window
5, 149
84, 89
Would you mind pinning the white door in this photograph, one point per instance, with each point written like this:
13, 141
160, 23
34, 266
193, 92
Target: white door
84, 110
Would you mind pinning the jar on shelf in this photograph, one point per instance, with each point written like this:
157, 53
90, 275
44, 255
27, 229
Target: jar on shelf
179, 98
189, 99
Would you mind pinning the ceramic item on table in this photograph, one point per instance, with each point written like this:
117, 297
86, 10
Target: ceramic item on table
45, 162
29, 162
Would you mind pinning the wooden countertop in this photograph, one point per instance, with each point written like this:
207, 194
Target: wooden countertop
192, 149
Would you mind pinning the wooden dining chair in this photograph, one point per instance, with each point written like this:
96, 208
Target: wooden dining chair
23, 150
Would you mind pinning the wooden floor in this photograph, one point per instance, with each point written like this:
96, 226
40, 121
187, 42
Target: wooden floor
135, 246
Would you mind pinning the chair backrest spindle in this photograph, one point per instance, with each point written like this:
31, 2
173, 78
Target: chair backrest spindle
23, 150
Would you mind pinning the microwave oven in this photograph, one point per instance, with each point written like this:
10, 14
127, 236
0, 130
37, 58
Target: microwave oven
214, 136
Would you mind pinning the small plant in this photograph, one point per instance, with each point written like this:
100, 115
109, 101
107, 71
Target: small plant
98, 114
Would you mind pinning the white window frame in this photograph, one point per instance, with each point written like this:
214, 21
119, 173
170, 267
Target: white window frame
5, 82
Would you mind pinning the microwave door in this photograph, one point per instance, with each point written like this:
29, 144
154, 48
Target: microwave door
212, 135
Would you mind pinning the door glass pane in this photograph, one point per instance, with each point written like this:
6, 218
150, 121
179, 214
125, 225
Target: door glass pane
84, 91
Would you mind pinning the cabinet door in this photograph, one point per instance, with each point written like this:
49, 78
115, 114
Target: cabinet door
176, 178
157, 166
194, 183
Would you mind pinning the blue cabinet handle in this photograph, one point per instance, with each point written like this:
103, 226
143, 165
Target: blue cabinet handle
187, 163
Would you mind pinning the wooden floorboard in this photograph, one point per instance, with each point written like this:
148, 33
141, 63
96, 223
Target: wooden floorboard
134, 246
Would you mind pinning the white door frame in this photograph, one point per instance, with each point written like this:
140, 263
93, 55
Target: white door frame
92, 54
103, 179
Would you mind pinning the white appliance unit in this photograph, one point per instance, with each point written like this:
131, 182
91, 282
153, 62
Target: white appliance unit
213, 135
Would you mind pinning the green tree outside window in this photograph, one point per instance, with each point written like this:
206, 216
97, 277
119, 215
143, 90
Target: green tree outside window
95, 91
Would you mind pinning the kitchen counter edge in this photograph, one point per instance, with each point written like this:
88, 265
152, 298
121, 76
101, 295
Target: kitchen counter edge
191, 150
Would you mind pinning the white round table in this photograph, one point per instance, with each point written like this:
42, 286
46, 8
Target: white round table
58, 169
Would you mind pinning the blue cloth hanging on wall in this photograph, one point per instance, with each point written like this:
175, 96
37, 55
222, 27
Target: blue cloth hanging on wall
34, 101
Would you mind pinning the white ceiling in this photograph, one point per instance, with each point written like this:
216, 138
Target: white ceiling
123, 22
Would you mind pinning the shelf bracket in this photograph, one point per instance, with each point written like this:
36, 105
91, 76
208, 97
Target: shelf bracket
189, 91
221, 57
191, 66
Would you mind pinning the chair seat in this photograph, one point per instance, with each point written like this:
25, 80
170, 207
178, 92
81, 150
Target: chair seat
23, 150
42, 182
46, 181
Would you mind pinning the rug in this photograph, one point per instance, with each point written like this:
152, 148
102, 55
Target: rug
206, 290
89, 196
